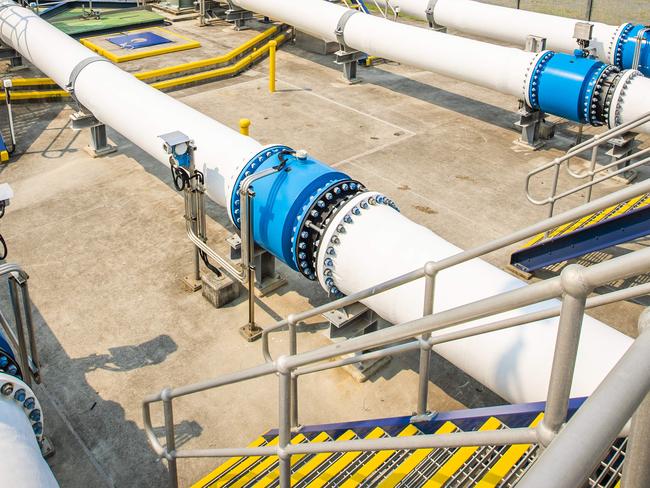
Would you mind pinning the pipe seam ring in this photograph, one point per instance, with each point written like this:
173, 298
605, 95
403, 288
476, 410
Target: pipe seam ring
78, 69
340, 26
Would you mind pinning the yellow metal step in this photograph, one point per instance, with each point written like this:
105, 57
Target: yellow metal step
592, 219
344, 461
509, 458
413, 460
459, 458
375, 462
318, 459
261, 467
207, 479
273, 475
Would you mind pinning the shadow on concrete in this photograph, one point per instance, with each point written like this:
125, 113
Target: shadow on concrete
127, 358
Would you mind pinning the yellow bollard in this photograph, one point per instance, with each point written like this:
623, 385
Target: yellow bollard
272, 48
244, 124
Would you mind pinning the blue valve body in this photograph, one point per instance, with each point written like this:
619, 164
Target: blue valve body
282, 199
626, 46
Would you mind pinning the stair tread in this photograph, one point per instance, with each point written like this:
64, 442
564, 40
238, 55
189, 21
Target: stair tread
345, 460
459, 458
273, 475
413, 460
506, 462
261, 467
318, 459
210, 477
376, 461
592, 219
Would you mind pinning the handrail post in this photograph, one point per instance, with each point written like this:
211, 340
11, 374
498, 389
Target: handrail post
430, 272
636, 470
29, 323
284, 426
293, 350
575, 292
592, 173
170, 437
20, 330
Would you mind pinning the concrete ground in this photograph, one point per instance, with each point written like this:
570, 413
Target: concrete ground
104, 244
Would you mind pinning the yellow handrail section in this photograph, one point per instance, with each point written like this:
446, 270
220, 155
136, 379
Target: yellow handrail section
231, 70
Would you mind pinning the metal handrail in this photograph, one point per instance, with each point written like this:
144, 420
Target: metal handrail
592, 144
23, 339
290, 366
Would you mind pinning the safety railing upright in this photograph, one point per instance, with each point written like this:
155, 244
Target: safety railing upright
22, 339
573, 286
607, 171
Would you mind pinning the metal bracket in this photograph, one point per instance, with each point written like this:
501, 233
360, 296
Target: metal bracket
237, 15
640, 39
425, 417
429, 12
346, 56
78, 69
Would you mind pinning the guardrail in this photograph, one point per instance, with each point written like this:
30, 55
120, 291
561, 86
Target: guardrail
573, 286
623, 165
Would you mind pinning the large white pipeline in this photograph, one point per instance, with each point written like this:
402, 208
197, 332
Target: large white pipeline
515, 25
380, 242
21, 462
510, 71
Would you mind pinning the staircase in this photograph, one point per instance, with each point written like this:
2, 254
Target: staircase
620, 223
484, 467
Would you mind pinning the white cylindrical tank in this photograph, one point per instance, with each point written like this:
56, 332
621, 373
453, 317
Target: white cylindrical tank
381, 244
21, 462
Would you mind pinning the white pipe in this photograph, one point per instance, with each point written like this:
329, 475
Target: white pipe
381, 244
511, 25
383, 249
21, 462
496, 67
126, 104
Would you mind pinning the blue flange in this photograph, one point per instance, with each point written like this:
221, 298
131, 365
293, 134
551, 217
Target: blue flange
566, 86
626, 46
8, 363
281, 199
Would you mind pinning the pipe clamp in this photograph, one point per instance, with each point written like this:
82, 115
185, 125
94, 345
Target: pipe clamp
429, 12
340, 27
78, 69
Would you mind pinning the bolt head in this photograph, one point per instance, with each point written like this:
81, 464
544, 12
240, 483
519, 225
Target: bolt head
7, 389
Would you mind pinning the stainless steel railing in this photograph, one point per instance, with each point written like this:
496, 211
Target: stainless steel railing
573, 287
594, 175
22, 339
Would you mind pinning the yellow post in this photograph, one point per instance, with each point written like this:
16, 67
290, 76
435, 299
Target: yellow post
244, 124
272, 48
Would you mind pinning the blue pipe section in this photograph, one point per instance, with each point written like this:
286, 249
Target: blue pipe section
626, 45
282, 199
566, 85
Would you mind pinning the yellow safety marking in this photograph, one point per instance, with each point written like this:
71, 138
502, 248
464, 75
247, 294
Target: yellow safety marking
375, 461
591, 219
318, 459
220, 72
4, 156
226, 466
30, 95
116, 58
273, 475
170, 70
243, 466
459, 458
263, 466
618, 484
509, 458
413, 460
326, 476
